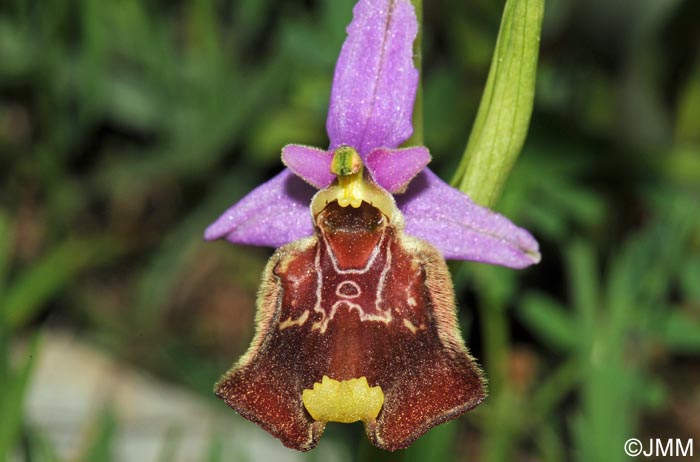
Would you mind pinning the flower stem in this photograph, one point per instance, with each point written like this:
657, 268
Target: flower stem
417, 137
498, 419
496, 335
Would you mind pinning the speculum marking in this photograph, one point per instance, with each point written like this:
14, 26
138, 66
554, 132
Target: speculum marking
348, 289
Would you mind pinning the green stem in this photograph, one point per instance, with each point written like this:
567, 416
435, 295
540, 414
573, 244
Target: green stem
501, 423
494, 328
417, 138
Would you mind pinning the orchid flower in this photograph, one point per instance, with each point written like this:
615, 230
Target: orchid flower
356, 313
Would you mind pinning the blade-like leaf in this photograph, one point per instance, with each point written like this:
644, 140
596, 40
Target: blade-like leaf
504, 113
437, 445
102, 438
5, 247
550, 321
417, 138
49, 275
12, 392
681, 333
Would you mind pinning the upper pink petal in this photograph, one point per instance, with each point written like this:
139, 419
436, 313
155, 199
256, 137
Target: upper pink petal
311, 164
393, 169
375, 81
273, 214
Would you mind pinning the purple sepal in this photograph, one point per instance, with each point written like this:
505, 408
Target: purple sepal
273, 214
311, 164
375, 82
461, 229
393, 169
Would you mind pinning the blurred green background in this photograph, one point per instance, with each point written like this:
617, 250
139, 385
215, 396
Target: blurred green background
127, 126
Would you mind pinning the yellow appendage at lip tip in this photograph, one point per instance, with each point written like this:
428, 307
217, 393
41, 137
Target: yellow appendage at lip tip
346, 401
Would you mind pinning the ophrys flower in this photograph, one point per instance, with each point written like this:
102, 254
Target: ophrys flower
356, 312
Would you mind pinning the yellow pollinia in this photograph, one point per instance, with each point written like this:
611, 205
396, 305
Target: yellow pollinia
351, 187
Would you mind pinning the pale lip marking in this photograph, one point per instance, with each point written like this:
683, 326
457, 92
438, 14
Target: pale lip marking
348, 289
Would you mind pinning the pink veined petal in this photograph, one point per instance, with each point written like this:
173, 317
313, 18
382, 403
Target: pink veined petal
311, 164
273, 214
461, 229
393, 169
375, 82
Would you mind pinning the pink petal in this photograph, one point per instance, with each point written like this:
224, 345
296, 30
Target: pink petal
461, 229
311, 164
375, 82
273, 214
393, 169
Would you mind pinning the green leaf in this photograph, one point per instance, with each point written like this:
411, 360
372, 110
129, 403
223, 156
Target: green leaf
12, 399
681, 332
5, 247
550, 442
435, 446
583, 283
101, 440
690, 278
41, 448
550, 322
688, 118
52, 273
504, 113
418, 124
554, 388
215, 452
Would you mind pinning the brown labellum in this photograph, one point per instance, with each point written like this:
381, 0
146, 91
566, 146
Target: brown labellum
358, 299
